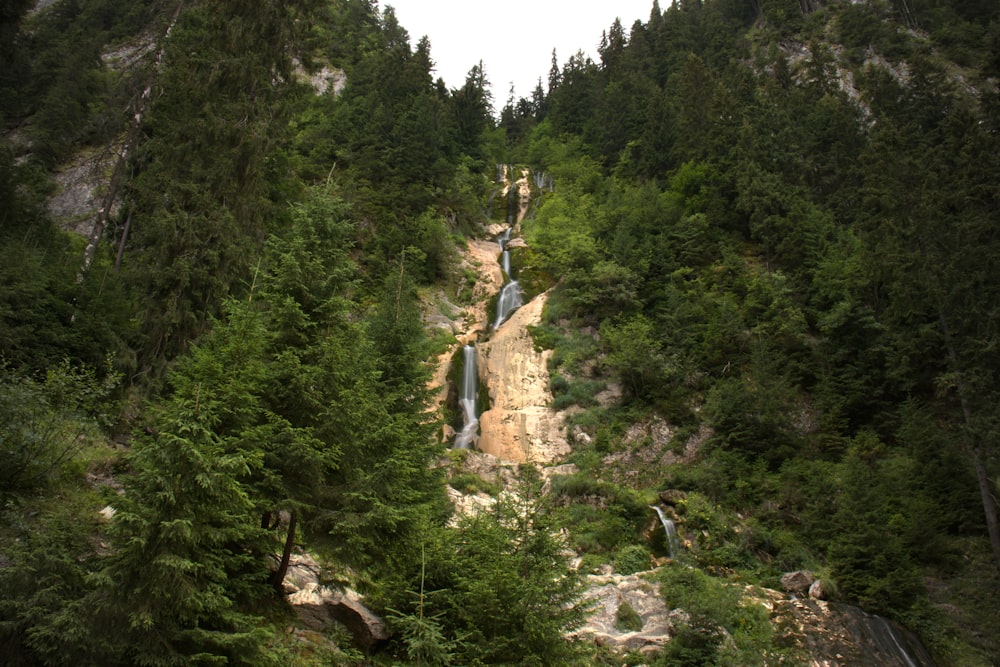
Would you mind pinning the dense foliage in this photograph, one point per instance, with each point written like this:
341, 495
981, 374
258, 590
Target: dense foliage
786, 240
771, 227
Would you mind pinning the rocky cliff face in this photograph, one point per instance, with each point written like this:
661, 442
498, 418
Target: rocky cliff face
520, 426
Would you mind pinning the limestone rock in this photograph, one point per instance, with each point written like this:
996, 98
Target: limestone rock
468, 504
490, 468
838, 635
797, 582
303, 570
520, 426
325, 80
79, 192
318, 606
608, 593
481, 256
671, 497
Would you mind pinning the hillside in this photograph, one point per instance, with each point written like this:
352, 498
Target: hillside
732, 292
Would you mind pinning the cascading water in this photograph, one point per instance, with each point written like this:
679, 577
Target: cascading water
467, 399
504, 253
543, 181
511, 296
881, 641
673, 543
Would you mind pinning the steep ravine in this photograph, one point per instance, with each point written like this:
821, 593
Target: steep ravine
518, 425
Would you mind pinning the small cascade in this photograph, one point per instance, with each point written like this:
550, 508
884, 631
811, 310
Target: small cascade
543, 181
673, 542
878, 640
511, 296
504, 253
467, 399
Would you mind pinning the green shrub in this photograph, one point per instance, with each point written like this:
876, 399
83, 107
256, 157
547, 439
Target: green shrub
627, 619
714, 605
472, 483
545, 336
631, 559
576, 392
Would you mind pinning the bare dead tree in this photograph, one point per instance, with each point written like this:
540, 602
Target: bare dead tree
141, 106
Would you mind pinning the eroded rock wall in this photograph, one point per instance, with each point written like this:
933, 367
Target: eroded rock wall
520, 425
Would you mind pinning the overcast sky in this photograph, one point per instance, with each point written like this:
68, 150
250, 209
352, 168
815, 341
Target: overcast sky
513, 39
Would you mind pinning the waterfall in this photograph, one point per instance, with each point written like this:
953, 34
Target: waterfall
511, 296
543, 181
673, 543
467, 399
504, 253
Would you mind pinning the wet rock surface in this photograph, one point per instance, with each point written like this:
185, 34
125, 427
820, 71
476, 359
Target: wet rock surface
520, 426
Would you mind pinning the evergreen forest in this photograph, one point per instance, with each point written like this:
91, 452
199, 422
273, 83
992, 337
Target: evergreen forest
768, 228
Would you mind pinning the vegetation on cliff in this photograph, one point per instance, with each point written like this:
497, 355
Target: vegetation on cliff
771, 228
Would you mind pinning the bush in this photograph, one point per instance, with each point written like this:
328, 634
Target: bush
631, 559
469, 482
627, 619
715, 608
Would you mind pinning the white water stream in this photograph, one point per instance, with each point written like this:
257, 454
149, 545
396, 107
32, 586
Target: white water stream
467, 399
673, 542
511, 296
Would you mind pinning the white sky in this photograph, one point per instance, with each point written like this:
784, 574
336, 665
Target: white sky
513, 39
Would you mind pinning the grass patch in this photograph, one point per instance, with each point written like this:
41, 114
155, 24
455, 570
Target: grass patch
627, 619
468, 482
567, 392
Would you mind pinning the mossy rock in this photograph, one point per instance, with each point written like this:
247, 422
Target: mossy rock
525, 265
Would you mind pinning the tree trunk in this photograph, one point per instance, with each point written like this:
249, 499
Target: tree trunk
121, 243
118, 174
278, 577
978, 455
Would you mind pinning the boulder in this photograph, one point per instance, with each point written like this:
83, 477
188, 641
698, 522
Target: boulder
816, 591
797, 582
580, 436
318, 606
366, 627
671, 497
